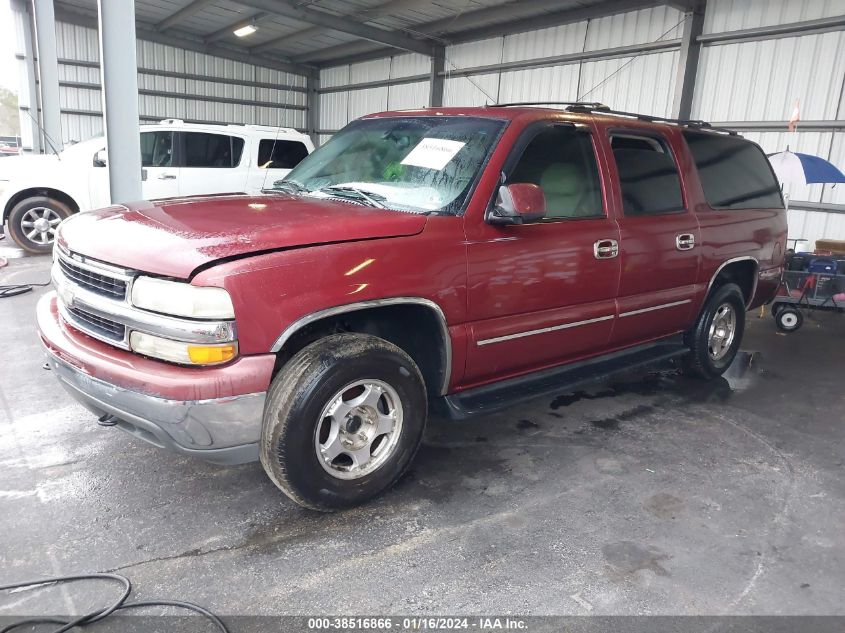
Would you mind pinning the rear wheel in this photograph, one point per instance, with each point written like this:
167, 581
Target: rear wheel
33, 223
717, 335
343, 420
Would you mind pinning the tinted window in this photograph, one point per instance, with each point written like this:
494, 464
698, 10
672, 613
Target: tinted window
212, 150
156, 149
734, 173
648, 176
274, 154
561, 160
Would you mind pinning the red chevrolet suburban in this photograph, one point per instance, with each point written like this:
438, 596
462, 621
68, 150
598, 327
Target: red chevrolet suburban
458, 258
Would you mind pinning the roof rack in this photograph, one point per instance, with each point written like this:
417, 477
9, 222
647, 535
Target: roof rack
590, 107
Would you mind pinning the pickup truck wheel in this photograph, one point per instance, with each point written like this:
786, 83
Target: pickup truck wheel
717, 335
33, 223
343, 420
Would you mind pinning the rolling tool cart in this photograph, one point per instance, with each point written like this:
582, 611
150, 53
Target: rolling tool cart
810, 282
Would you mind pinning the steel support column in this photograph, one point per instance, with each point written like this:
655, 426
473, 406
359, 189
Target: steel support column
313, 114
436, 82
120, 98
48, 71
27, 80
688, 61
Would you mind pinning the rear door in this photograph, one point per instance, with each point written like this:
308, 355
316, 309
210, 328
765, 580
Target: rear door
659, 236
211, 163
544, 293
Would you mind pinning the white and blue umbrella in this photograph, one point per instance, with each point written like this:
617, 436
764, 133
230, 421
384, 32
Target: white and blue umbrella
795, 168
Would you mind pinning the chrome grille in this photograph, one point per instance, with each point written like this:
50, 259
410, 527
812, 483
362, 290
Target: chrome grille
97, 325
101, 283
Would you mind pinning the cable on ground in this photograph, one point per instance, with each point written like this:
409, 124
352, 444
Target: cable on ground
98, 614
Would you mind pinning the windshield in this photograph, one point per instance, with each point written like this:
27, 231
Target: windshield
417, 164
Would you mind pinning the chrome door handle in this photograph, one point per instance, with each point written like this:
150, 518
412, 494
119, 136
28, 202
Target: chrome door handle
684, 241
167, 177
606, 249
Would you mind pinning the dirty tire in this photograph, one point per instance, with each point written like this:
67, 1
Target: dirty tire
296, 400
789, 319
21, 214
700, 362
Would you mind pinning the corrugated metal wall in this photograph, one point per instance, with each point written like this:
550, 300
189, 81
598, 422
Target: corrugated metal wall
760, 81
338, 108
737, 82
204, 88
606, 80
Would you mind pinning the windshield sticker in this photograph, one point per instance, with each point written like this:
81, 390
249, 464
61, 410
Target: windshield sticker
433, 153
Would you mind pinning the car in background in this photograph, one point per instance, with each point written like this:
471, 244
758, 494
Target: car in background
178, 159
8, 150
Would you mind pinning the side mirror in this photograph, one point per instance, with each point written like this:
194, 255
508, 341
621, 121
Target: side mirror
519, 203
100, 158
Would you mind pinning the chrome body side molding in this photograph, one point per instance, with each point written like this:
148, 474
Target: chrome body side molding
657, 307
544, 330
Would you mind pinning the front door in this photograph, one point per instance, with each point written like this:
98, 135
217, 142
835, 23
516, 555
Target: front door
659, 237
544, 293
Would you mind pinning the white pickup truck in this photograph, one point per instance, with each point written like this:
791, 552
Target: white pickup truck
177, 159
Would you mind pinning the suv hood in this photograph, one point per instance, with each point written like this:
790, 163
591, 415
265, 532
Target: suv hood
174, 237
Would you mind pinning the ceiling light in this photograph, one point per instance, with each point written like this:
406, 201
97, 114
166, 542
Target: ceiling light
249, 29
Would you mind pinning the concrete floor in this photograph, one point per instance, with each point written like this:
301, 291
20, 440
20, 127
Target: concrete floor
653, 495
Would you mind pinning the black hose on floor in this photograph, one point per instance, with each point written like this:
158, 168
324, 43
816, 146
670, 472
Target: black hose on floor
14, 290
99, 614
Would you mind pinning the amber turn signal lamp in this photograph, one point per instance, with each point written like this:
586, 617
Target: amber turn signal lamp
209, 355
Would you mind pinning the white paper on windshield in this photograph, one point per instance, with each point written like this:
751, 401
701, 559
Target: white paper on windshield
433, 153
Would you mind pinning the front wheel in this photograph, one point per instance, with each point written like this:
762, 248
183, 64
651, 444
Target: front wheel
33, 223
717, 335
343, 420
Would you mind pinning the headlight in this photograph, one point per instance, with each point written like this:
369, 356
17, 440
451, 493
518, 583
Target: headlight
178, 352
181, 299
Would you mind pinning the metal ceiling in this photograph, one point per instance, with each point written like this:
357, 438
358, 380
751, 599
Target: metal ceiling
303, 35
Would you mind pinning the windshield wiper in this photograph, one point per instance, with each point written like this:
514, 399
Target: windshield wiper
285, 185
346, 191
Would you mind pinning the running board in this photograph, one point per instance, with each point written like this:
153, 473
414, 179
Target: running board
549, 382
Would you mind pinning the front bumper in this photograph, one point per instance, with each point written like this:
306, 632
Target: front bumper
214, 413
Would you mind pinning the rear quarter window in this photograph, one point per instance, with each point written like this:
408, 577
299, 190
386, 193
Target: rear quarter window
280, 154
734, 173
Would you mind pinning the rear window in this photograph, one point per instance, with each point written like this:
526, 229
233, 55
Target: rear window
734, 173
648, 176
278, 154
212, 150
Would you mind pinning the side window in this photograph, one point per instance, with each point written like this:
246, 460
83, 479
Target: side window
280, 154
212, 150
562, 161
156, 149
734, 173
648, 176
